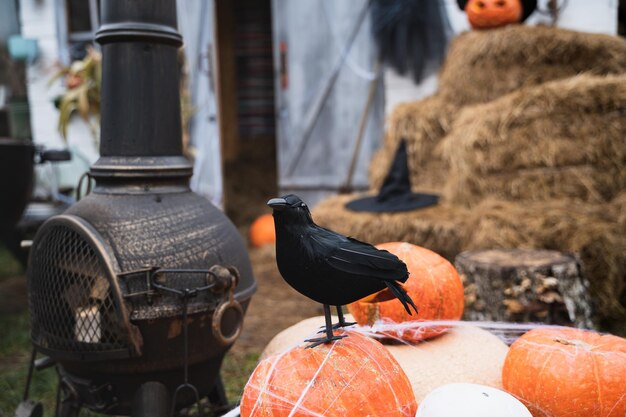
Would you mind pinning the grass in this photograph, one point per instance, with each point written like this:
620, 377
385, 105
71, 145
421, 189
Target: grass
9, 266
15, 351
236, 370
14, 357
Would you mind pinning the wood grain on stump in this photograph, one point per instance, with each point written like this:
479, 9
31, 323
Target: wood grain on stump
525, 285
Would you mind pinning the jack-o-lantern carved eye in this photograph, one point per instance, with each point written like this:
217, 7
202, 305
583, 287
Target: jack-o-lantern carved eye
501, 3
480, 4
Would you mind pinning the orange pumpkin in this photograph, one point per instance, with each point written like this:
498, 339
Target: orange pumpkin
433, 284
352, 377
487, 14
262, 231
568, 372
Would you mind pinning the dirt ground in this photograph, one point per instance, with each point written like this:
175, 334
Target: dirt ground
274, 307
13, 298
250, 180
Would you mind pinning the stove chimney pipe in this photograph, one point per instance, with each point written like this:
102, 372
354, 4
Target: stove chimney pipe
140, 102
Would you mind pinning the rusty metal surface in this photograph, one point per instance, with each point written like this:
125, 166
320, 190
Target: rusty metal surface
118, 400
103, 235
177, 230
163, 349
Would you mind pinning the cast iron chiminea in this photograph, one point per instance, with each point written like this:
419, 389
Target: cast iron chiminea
138, 290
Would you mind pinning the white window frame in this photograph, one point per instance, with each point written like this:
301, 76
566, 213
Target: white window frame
64, 36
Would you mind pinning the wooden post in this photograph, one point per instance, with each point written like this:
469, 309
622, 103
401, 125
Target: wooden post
227, 78
525, 285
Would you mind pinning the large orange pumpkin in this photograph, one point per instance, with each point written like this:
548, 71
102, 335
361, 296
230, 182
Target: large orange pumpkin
487, 14
352, 377
434, 285
262, 231
568, 372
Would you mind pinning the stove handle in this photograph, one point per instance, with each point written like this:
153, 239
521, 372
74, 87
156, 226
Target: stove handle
227, 321
228, 315
186, 293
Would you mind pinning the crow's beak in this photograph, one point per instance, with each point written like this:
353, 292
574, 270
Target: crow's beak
277, 204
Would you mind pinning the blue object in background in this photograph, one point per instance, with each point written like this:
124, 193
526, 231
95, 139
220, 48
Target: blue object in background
23, 49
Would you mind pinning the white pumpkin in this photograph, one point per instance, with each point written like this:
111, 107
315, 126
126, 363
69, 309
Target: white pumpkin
471, 400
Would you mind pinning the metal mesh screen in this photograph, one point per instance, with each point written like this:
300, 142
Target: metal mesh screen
71, 303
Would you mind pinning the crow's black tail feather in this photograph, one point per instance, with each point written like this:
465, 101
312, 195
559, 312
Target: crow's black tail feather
399, 292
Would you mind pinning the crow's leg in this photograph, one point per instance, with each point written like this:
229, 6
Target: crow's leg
329, 331
342, 321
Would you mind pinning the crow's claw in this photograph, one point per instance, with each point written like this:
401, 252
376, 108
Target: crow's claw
321, 340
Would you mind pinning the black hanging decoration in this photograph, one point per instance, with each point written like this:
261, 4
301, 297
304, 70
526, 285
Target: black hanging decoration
412, 35
395, 195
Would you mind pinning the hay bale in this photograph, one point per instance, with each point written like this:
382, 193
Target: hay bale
483, 65
588, 230
422, 124
438, 228
584, 183
591, 231
561, 139
618, 208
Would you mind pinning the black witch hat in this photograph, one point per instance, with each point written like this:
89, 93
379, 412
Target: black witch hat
395, 195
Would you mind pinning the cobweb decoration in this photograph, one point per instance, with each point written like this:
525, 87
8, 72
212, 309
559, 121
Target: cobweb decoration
354, 376
386, 329
346, 377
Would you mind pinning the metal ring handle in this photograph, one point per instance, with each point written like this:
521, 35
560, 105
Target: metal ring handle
216, 324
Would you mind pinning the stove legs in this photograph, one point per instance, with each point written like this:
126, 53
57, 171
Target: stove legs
217, 397
68, 403
151, 400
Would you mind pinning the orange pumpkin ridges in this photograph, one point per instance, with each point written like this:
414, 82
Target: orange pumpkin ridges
353, 377
567, 372
487, 14
434, 285
262, 231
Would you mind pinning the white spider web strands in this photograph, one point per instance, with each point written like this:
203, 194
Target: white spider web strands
331, 359
507, 332
263, 390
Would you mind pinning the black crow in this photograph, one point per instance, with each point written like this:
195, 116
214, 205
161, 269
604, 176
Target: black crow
328, 267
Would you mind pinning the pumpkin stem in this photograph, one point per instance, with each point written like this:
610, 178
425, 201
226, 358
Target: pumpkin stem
575, 342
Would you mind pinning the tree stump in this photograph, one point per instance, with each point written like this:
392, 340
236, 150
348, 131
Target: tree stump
522, 285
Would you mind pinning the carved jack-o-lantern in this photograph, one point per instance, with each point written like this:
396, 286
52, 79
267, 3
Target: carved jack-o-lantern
487, 14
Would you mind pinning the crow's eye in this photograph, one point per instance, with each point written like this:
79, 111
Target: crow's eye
302, 205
